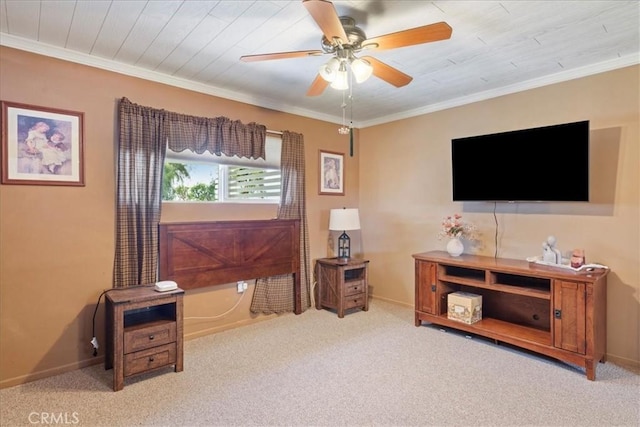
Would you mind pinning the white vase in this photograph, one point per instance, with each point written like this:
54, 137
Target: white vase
455, 246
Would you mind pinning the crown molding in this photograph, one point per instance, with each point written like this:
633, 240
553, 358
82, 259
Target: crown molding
133, 71
621, 62
129, 70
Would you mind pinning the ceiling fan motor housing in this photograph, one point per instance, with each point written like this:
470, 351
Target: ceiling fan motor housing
354, 33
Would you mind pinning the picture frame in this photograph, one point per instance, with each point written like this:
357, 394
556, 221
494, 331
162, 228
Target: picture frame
331, 176
42, 145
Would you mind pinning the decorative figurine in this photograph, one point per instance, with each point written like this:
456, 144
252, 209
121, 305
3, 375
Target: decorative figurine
550, 253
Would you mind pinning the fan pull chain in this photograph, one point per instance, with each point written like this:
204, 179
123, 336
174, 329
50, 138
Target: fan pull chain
351, 116
344, 129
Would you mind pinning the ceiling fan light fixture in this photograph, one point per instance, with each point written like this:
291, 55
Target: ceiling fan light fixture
329, 70
342, 39
341, 81
362, 69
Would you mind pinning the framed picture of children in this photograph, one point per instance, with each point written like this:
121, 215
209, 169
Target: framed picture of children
41, 146
331, 173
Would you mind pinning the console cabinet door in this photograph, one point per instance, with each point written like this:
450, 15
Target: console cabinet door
426, 286
569, 316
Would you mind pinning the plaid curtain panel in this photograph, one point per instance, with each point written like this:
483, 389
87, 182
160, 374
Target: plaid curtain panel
275, 294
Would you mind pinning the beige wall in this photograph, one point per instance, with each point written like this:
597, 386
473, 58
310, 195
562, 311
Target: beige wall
405, 190
57, 243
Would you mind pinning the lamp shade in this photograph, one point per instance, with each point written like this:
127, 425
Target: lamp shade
344, 219
329, 70
362, 69
341, 82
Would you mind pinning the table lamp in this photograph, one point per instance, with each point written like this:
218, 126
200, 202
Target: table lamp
343, 220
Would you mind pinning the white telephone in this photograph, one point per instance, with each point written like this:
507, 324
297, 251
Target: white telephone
166, 285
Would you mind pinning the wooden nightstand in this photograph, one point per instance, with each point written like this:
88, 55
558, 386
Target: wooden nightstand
144, 331
342, 285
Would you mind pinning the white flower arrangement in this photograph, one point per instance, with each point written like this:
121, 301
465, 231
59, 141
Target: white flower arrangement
454, 226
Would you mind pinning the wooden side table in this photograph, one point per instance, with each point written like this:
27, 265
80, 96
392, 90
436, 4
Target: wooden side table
144, 331
342, 285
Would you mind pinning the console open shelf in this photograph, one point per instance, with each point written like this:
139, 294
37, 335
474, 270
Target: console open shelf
499, 329
556, 312
504, 282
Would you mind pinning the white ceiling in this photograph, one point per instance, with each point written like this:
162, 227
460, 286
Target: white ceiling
497, 47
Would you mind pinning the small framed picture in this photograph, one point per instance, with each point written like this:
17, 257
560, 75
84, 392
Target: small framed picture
41, 145
331, 173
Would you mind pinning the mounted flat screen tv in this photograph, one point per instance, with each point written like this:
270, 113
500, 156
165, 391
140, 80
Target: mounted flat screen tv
548, 163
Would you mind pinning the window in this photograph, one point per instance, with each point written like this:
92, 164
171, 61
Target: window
189, 176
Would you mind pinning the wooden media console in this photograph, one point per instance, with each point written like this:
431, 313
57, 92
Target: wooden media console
549, 310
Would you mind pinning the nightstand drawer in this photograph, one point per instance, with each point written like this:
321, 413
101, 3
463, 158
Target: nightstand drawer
149, 335
355, 287
354, 301
145, 360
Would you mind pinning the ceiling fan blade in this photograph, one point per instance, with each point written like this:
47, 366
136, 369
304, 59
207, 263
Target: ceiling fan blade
325, 15
413, 36
280, 55
318, 86
388, 73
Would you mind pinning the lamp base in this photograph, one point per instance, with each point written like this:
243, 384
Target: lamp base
342, 260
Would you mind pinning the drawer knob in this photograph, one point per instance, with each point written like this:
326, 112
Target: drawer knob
151, 359
151, 337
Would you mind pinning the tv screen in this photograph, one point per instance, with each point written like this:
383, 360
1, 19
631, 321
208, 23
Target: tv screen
548, 163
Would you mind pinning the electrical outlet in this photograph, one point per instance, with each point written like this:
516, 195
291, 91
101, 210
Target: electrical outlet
242, 286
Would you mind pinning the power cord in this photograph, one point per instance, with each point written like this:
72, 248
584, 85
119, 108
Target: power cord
218, 316
495, 219
94, 340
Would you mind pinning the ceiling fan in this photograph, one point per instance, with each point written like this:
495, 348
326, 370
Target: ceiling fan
343, 40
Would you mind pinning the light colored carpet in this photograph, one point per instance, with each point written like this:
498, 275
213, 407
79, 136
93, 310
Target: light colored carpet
370, 368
